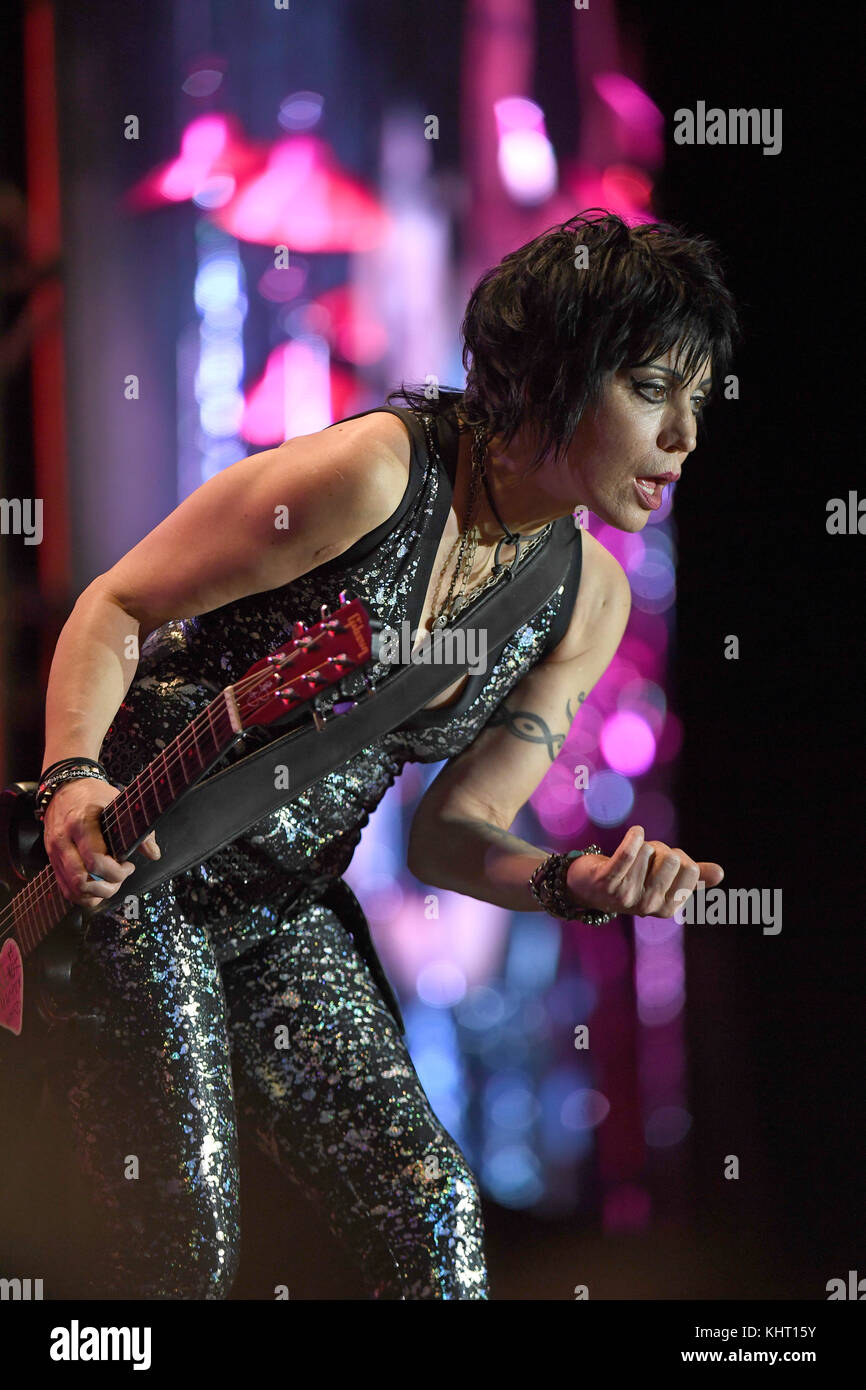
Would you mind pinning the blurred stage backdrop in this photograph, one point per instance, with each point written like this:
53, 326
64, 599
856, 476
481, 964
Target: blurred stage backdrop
271, 216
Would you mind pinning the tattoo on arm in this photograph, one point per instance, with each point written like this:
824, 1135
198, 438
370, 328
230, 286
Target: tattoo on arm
531, 727
580, 699
525, 724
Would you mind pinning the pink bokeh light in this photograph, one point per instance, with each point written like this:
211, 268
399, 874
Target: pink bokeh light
526, 158
627, 743
468, 934
303, 200
628, 100
639, 122
214, 153
298, 393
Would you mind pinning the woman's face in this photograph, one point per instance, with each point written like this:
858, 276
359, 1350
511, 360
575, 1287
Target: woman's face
623, 453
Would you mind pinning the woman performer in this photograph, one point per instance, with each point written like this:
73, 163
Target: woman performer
587, 373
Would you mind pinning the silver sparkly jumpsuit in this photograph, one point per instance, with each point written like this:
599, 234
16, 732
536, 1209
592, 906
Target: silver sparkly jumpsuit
247, 991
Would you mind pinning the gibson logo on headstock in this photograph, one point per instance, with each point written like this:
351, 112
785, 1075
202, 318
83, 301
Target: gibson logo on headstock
355, 624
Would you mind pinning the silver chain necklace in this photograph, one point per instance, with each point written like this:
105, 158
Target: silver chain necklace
455, 603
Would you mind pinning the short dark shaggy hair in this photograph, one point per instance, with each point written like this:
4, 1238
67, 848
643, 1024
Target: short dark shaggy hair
540, 336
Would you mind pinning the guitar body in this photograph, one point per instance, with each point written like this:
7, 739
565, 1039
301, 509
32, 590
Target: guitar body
49, 996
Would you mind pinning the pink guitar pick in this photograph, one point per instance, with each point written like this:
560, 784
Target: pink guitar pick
11, 987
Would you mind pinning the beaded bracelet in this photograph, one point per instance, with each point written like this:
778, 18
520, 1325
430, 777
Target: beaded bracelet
549, 888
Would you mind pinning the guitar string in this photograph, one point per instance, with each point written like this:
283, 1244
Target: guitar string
186, 740
45, 887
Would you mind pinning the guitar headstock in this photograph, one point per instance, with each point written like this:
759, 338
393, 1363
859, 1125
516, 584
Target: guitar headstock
312, 660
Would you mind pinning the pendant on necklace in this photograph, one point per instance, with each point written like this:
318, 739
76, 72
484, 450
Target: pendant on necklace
512, 564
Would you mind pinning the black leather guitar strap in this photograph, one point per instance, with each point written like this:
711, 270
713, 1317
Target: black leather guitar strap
217, 810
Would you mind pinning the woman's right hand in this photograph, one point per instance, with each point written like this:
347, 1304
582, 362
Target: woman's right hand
75, 846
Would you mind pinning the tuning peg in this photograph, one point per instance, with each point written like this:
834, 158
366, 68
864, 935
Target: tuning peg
298, 629
325, 612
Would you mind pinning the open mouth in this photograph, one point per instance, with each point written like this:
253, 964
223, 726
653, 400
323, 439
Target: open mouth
649, 491
649, 486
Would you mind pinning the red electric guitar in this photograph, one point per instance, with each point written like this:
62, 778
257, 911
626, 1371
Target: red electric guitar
290, 678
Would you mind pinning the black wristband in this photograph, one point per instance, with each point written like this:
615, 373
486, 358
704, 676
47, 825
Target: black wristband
65, 770
72, 762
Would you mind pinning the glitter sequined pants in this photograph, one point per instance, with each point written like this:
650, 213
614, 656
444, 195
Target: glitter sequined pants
292, 1038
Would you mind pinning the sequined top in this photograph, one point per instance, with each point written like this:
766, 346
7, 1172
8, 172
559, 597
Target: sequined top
185, 662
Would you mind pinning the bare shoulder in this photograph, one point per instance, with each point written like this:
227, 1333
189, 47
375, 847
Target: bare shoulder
380, 441
602, 605
353, 475
264, 521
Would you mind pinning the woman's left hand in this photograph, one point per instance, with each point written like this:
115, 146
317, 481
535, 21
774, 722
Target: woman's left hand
643, 877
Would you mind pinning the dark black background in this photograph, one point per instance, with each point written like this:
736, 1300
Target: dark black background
770, 781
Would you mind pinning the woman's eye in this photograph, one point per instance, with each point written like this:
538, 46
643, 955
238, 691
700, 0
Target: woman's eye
645, 388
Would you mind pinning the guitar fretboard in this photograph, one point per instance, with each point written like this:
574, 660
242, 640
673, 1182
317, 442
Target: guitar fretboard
127, 820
